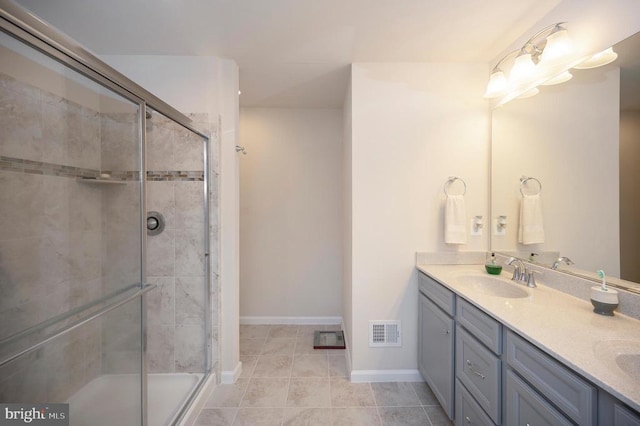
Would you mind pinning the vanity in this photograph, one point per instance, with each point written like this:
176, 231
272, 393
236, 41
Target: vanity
496, 352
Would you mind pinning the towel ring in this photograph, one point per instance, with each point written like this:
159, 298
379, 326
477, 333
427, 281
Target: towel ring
451, 180
523, 182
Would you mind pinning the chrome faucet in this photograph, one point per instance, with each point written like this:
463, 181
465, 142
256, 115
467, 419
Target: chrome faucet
518, 270
560, 260
521, 273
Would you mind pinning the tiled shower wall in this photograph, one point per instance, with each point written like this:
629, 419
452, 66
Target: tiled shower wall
50, 236
176, 256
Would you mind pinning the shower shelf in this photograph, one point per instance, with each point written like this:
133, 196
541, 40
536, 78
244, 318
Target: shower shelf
101, 181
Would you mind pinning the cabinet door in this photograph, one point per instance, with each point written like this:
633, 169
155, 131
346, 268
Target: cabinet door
436, 352
526, 407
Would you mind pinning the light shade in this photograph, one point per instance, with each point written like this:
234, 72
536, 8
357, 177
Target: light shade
529, 93
599, 59
558, 46
560, 78
497, 85
523, 70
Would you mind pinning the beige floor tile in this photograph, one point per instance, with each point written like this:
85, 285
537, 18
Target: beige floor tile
273, 366
250, 331
403, 416
259, 417
355, 417
279, 346
304, 345
425, 394
437, 416
283, 331
248, 365
309, 393
266, 393
307, 416
310, 366
347, 394
309, 330
338, 366
251, 346
395, 395
227, 395
216, 417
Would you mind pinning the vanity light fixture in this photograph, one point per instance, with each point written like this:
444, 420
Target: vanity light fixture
560, 78
535, 63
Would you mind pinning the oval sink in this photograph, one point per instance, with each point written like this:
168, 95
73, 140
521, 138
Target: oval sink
625, 353
494, 286
630, 364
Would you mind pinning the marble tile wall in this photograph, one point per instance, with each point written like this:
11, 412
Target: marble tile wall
175, 258
50, 236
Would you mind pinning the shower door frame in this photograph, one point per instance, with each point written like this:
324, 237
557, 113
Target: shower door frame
29, 29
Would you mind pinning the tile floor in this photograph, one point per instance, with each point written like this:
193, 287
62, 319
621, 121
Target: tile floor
287, 382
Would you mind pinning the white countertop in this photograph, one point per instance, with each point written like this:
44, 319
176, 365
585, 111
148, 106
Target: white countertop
563, 326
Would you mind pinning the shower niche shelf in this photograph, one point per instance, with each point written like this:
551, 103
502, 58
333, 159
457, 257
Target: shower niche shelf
102, 181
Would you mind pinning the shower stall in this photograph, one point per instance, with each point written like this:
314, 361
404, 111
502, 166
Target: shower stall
106, 199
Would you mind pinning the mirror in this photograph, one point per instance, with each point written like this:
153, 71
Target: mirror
580, 141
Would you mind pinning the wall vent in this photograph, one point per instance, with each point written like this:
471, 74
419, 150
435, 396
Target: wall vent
385, 334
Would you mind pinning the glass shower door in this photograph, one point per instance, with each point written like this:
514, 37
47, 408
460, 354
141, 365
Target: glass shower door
71, 289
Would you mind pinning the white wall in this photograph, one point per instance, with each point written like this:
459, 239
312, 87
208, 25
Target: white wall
567, 137
413, 126
205, 84
291, 213
347, 243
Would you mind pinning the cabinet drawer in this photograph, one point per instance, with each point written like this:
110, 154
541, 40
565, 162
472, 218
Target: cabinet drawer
439, 294
570, 393
468, 412
622, 416
526, 407
480, 325
479, 371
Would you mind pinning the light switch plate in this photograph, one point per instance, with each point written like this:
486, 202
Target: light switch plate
472, 229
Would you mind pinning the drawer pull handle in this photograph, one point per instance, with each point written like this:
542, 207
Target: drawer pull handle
477, 373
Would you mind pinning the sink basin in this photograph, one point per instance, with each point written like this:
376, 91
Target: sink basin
630, 364
625, 354
494, 286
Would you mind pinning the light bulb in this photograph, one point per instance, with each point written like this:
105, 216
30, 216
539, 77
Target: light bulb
523, 69
558, 46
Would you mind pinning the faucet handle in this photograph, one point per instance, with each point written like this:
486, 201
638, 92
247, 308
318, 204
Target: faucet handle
530, 277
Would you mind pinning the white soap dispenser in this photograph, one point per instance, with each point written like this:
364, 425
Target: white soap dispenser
603, 299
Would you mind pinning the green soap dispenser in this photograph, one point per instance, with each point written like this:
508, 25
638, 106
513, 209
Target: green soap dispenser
491, 266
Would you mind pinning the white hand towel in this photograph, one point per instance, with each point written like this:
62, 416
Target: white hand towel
455, 217
531, 229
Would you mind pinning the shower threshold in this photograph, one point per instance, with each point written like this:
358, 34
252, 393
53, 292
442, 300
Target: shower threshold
114, 399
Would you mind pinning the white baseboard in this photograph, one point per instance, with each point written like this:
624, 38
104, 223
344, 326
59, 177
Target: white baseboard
192, 414
290, 320
230, 377
366, 376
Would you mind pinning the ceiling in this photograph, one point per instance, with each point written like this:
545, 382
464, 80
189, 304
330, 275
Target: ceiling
295, 53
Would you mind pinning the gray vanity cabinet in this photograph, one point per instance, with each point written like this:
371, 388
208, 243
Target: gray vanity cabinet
570, 393
501, 377
436, 343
